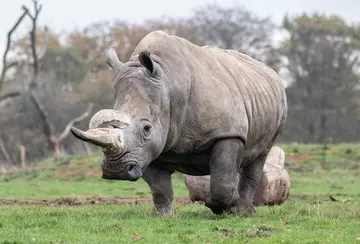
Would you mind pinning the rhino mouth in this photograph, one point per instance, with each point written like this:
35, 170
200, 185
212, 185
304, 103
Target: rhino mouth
130, 171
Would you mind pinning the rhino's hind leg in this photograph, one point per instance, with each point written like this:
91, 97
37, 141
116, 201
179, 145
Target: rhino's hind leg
249, 180
224, 160
159, 181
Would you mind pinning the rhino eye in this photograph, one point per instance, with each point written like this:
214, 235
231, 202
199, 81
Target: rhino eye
147, 130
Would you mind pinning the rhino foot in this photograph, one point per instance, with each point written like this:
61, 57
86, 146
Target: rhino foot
216, 208
219, 207
162, 211
240, 209
243, 210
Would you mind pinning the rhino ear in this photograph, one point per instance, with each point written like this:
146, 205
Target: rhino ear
145, 60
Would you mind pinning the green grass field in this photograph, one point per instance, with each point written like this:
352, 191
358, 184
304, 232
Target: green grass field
308, 216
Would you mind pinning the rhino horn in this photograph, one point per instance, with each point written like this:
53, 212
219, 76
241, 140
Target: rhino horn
111, 58
105, 130
99, 136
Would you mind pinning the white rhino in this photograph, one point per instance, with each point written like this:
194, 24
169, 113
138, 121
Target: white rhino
196, 110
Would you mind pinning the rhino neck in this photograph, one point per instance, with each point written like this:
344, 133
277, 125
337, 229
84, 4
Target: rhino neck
179, 103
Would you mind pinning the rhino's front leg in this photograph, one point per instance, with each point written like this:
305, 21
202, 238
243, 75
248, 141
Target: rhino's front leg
159, 181
225, 158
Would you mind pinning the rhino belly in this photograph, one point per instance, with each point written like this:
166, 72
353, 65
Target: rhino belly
193, 170
186, 163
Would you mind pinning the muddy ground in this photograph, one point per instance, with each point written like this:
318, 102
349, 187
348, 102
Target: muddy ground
81, 201
95, 200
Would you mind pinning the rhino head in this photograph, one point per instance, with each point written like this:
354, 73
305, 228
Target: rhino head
134, 132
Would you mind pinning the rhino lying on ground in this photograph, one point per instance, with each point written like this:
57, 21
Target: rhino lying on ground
196, 110
273, 188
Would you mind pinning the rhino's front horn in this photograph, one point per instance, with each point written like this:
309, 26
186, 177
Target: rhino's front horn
107, 138
111, 58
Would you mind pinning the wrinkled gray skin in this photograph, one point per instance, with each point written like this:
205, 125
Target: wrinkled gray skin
196, 110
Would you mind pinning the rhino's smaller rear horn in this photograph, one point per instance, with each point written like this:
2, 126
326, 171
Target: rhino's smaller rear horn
111, 58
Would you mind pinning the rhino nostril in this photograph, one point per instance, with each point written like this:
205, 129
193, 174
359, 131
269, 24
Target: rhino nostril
131, 167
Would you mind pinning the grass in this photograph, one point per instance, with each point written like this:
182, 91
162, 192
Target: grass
73, 176
295, 222
314, 172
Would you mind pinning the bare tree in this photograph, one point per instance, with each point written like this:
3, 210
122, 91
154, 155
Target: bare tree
53, 140
5, 68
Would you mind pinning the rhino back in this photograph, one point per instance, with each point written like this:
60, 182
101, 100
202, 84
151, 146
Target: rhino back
217, 93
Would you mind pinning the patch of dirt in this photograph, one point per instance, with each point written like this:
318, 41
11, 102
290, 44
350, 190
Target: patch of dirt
332, 151
296, 160
299, 157
82, 201
70, 170
100, 200
299, 196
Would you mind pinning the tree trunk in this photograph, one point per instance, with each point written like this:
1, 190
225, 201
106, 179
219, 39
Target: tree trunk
57, 149
323, 128
5, 152
22, 150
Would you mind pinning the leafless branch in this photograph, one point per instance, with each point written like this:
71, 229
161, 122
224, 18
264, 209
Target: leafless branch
48, 127
10, 95
72, 122
12, 64
34, 18
5, 65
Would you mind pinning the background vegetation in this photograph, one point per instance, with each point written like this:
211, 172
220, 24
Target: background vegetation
317, 58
